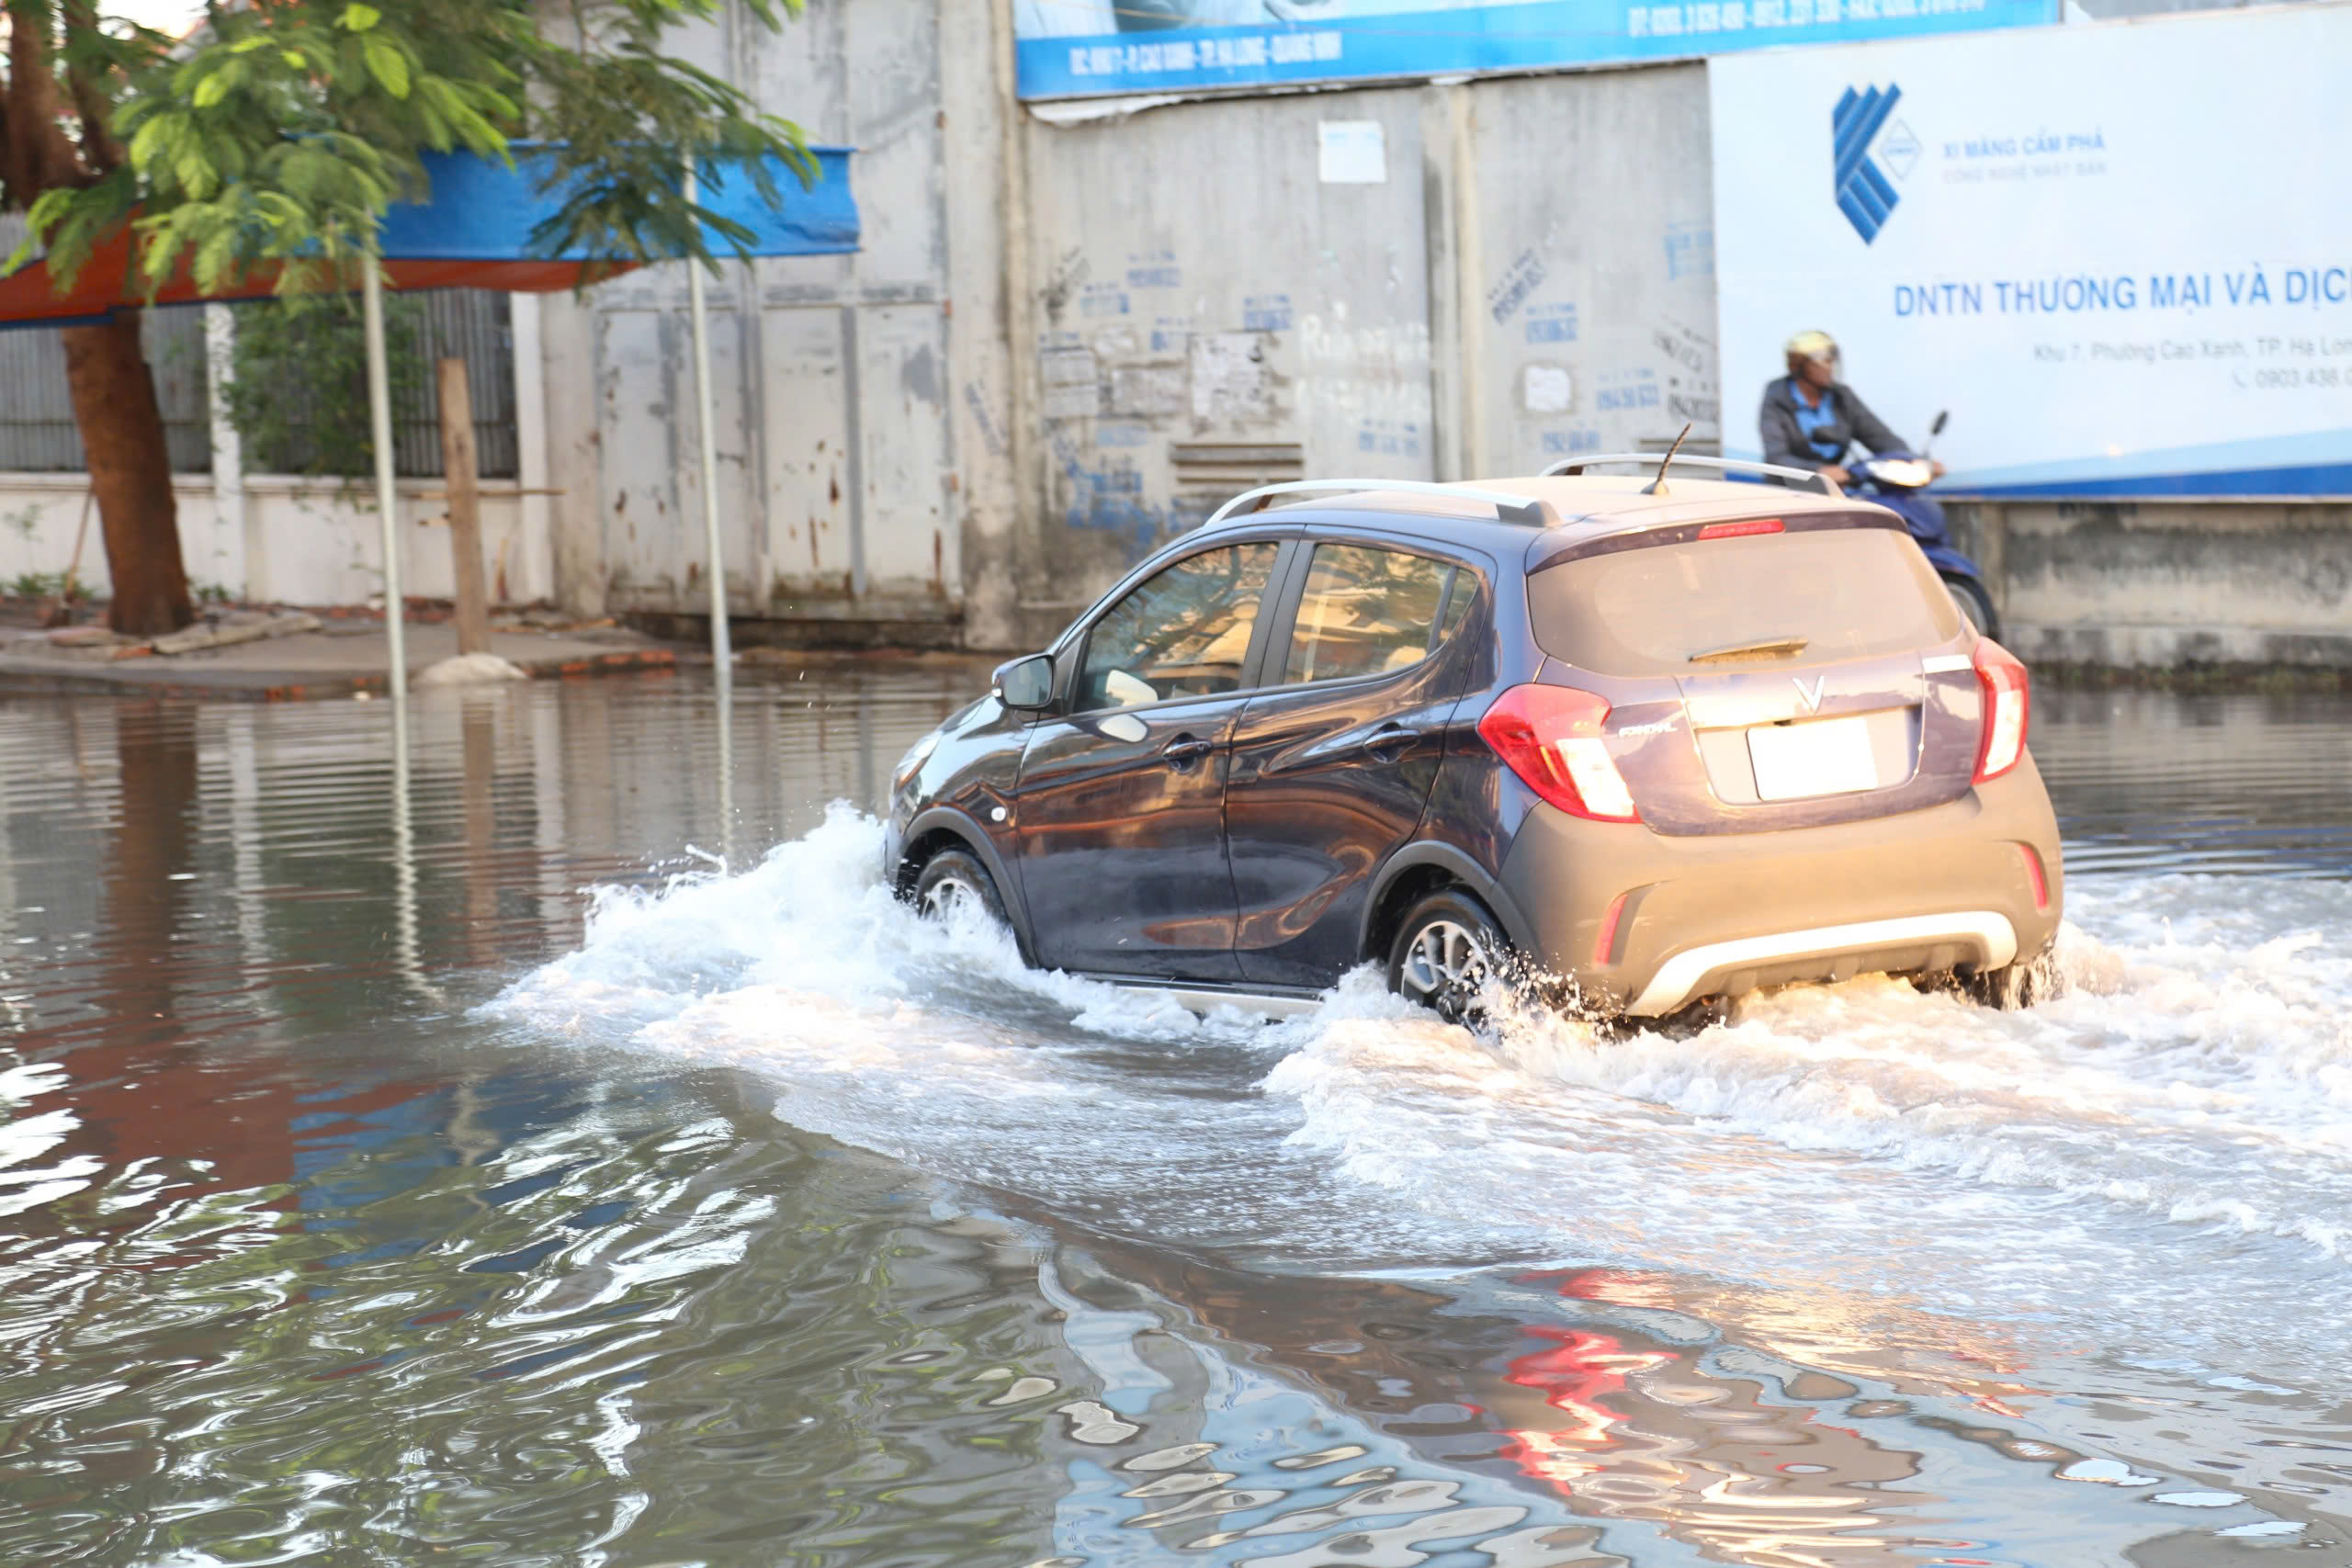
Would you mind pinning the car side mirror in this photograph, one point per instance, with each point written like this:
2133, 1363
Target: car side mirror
1024, 685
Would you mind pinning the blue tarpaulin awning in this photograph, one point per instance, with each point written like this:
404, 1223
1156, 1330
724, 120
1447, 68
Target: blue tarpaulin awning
474, 233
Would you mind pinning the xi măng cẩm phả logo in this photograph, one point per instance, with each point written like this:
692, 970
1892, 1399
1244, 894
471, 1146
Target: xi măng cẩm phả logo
1865, 194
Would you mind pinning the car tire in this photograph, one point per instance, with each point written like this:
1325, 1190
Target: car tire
2013, 986
954, 879
1975, 605
1446, 948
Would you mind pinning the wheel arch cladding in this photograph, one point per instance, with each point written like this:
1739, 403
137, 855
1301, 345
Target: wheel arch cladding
1417, 870
942, 828
921, 851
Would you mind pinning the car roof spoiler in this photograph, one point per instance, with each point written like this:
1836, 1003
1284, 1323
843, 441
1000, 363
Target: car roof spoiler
1808, 477
1509, 508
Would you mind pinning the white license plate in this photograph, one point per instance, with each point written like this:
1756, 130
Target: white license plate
1826, 756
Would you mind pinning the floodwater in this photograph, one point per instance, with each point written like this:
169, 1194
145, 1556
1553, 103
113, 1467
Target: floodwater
359, 1204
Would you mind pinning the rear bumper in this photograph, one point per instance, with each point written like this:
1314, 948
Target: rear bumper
1947, 888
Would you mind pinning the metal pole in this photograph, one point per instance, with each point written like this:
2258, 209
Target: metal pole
722, 652
379, 416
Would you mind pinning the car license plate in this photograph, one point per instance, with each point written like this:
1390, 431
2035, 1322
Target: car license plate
1826, 756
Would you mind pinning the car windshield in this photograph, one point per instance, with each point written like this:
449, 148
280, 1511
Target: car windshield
1811, 597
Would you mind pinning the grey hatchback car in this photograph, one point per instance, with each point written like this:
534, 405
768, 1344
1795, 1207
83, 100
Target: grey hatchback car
1657, 742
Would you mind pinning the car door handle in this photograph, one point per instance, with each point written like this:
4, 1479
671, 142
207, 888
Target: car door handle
1389, 740
1187, 748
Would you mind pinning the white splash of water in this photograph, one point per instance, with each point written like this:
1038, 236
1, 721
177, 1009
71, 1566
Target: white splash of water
2167, 1139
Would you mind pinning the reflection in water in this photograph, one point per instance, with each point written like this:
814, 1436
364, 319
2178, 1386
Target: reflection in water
2213, 784
305, 1255
480, 812
404, 859
723, 716
137, 1053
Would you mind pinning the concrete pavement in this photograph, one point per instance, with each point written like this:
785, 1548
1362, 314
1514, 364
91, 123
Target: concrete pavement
338, 660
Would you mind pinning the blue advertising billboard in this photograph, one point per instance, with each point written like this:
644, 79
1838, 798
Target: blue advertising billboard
2125, 271
1087, 48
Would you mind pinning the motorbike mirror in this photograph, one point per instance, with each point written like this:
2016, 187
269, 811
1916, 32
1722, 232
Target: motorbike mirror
1025, 684
1943, 416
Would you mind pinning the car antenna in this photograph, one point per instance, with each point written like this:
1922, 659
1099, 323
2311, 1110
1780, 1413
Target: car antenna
1658, 485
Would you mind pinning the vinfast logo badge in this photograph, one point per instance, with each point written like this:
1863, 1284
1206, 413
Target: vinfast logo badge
1864, 193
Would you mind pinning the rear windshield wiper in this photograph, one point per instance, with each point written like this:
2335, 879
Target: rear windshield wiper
1772, 645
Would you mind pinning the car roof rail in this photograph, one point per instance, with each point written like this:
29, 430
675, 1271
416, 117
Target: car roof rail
1817, 480
1509, 508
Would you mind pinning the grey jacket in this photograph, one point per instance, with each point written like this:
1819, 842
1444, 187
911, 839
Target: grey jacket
1785, 444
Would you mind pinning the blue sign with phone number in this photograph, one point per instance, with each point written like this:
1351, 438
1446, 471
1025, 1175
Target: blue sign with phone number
1513, 35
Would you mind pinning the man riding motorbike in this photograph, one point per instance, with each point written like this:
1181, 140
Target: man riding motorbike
1810, 417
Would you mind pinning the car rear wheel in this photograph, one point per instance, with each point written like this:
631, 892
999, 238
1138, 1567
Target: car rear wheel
2013, 986
953, 881
1975, 604
1446, 949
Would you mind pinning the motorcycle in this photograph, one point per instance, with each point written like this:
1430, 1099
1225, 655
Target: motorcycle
1898, 481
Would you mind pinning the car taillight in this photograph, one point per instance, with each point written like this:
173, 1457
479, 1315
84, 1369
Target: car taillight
2006, 702
1551, 737
1741, 530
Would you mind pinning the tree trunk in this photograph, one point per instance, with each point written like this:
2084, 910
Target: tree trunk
130, 475
462, 468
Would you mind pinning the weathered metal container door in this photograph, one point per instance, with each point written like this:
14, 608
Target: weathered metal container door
647, 430
637, 452
859, 490
910, 548
812, 532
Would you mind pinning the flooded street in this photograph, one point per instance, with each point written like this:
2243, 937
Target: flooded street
581, 1158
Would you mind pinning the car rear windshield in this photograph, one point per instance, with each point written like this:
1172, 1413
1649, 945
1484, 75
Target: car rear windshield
1842, 592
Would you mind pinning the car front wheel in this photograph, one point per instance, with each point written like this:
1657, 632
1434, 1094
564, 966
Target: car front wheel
953, 881
1446, 949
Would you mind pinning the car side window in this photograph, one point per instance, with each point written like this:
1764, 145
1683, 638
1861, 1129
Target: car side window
1183, 631
1365, 612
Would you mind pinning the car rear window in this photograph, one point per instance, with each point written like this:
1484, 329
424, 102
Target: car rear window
1848, 592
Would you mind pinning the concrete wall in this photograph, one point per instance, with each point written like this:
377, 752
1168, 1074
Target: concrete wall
1594, 312
860, 426
1074, 330
1064, 342
2159, 584
1209, 314
301, 542
1529, 275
